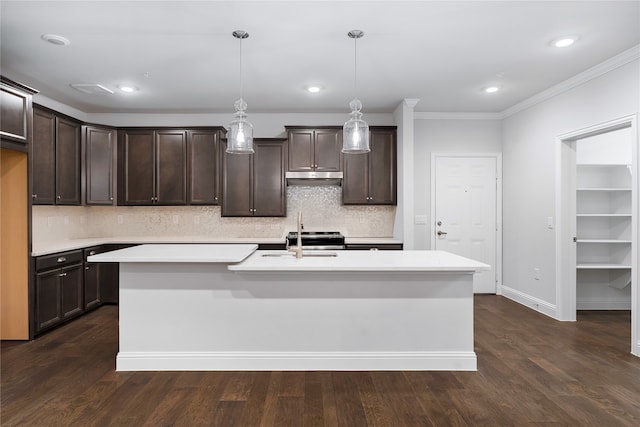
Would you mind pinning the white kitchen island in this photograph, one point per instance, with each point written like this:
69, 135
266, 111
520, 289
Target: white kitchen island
230, 307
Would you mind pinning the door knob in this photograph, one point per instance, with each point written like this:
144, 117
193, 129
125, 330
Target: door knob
439, 223
440, 233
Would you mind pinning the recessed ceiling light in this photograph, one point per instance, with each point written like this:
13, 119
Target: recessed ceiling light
56, 39
127, 88
564, 41
314, 89
491, 89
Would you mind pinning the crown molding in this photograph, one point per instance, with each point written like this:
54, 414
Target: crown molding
456, 116
611, 64
594, 72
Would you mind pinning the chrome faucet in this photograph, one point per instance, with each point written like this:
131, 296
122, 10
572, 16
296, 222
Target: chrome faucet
298, 247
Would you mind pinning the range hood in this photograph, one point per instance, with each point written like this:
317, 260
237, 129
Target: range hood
314, 178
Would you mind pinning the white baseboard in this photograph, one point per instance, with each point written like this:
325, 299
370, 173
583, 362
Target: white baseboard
273, 361
532, 302
603, 304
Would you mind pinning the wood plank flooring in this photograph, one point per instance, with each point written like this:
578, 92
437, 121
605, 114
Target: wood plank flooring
532, 370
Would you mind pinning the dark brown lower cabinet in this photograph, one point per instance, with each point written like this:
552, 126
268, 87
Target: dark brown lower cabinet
373, 246
91, 280
59, 293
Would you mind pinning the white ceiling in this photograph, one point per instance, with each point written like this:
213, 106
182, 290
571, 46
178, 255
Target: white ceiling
441, 52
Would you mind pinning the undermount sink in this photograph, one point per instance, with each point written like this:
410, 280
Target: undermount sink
304, 254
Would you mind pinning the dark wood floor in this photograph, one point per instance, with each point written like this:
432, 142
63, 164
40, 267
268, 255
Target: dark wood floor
531, 370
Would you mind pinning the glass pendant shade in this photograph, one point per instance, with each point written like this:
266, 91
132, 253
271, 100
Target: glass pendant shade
240, 131
355, 132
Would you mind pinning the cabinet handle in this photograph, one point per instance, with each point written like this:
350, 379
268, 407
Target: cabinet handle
61, 259
92, 253
62, 274
86, 268
111, 199
58, 197
34, 196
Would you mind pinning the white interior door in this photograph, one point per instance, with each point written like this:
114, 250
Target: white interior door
465, 214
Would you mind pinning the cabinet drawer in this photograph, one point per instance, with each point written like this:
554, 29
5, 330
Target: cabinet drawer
59, 259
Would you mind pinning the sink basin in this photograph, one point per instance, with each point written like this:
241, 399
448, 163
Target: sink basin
304, 254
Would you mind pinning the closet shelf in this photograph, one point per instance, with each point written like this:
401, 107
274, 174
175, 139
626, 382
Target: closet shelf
603, 215
603, 189
602, 241
600, 266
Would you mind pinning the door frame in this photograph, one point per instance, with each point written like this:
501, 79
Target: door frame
498, 207
565, 213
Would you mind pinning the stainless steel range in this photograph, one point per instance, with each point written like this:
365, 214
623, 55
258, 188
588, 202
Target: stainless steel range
317, 240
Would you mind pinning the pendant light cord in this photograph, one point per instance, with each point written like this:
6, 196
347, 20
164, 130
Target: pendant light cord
240, 68
355, 67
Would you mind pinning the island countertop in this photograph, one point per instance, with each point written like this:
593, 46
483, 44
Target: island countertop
178, 253
341, 261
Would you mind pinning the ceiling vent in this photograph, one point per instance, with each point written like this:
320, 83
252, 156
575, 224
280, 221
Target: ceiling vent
91, 88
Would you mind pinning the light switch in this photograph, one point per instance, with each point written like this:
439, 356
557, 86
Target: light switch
421, 220
549, 222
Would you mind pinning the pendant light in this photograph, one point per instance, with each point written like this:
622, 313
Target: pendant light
240, 131
355, 133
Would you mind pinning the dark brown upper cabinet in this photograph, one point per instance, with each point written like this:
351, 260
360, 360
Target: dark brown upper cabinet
15, 114
99, 175
254, 184
204, 166
55, 159
370, 179
314, 149
152, 167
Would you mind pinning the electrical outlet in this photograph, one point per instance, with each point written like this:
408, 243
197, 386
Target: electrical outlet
49, 221
536, 274
196, 219
66, 220
120, 219
176, 219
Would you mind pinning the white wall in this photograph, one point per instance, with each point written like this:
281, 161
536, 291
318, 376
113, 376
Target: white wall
446, 136
529, 176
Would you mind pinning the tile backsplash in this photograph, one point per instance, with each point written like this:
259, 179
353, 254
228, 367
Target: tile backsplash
321, 211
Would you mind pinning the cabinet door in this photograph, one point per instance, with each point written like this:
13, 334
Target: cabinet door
43, 157
67, 162
301, 150
91, 285
327, 149
91, 279
100, 147
382, 167
355, 181
171, 163
48, 311
204, 168
71, 291
237, 191
269, 191
137, 171
14, 114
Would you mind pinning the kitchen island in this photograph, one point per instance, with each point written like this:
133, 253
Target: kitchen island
235, 308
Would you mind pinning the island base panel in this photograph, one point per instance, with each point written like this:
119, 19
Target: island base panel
198, 316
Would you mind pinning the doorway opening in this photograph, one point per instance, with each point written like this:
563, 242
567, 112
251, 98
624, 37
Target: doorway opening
597, 211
